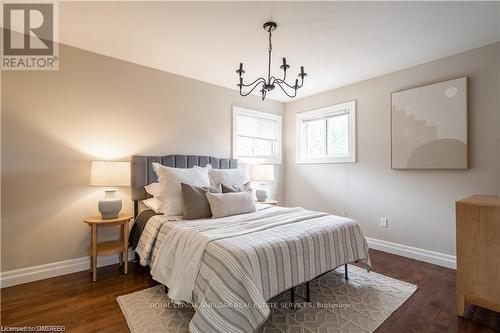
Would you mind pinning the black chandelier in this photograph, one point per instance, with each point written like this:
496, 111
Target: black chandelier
271, 82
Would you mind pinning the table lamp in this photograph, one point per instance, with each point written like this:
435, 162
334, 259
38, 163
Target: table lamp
109, 174
262, 174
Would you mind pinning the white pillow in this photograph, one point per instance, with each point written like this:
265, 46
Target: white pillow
154, 204
153, 189
227, 204
208, 166
229, 177
170, 180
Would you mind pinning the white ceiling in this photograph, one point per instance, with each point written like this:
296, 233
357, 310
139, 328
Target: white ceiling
337, 42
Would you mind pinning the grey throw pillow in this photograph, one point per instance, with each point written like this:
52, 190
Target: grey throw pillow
227, 204
236, 188
195, 203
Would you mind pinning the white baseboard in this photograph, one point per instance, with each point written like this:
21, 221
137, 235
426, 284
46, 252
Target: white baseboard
34, 273
40, 272
432, 257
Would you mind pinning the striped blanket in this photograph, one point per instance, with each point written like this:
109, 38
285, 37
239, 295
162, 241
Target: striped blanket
228, 268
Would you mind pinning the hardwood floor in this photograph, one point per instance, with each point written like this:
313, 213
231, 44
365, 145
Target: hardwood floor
75, 301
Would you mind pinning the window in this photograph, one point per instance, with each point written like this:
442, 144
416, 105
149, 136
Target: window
256, 136
327, 135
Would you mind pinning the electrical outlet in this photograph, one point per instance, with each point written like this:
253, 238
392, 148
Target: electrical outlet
383, 222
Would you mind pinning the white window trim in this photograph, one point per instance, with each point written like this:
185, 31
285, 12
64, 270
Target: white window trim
279, 143
323, 112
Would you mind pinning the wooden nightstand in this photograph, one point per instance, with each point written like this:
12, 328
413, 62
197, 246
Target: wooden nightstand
269, 202
108, 248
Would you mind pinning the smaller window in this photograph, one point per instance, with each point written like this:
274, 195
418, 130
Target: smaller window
256, 136
327, 135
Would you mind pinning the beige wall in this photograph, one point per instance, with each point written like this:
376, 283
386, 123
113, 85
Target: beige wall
95, 107
419, 205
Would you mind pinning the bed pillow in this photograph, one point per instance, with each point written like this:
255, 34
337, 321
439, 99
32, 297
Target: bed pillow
208, 166
236, 188
229, 177
153, 203
228, 204
195, 202
153, 189
170, 180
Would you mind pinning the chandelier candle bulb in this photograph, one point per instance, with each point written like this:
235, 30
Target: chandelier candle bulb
240, 71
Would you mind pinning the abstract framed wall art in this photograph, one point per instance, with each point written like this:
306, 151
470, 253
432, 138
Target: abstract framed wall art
429, 126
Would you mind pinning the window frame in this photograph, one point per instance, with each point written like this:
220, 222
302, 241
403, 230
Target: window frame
326, 112
278, 146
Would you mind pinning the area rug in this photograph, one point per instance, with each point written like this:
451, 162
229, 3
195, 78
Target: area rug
360, 304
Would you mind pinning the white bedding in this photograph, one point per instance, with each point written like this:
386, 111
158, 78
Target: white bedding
243, 261
181, 252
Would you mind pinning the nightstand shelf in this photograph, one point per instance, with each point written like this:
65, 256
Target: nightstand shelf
108, 248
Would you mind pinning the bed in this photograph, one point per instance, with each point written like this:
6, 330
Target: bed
228, 268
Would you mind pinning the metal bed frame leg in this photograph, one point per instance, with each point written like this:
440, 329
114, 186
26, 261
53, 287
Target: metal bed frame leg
308, 288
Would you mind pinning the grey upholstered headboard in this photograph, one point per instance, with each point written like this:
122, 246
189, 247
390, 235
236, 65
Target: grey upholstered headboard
142, 170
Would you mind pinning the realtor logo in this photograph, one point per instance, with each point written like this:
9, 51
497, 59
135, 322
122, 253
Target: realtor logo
29, 39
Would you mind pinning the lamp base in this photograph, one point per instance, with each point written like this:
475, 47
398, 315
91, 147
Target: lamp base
262, 194
110, 205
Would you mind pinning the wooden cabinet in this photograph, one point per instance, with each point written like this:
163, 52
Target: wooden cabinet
478, 252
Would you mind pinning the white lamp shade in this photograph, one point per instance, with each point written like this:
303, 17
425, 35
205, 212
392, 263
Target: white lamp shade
262, 172
104, 173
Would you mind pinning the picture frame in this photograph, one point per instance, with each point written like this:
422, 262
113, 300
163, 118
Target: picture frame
429, 126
